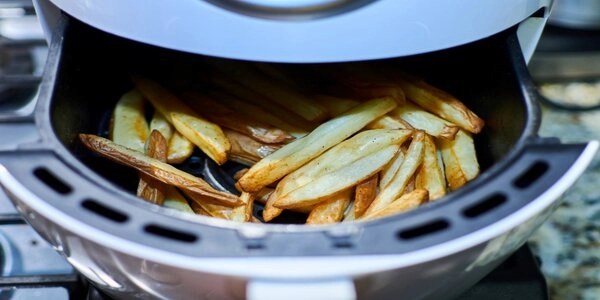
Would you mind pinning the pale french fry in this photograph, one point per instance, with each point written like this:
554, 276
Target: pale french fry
326, 185
389, 122
180, 148
295, 154
430, 174
362, 144
206, 135
270, 212
423, 120
149, 188
219, 114
331, 210
175, 200
364, 194
189, 184
397, 184
243, 213
246, 150
128, 124
160, 123
460, 159
349, 213
442, 104
203, 207
388, 172
406, 202
271, 88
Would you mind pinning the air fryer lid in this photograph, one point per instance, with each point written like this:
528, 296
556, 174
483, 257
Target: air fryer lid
88, 71
303, 30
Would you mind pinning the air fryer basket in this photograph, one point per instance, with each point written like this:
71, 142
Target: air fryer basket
88, 70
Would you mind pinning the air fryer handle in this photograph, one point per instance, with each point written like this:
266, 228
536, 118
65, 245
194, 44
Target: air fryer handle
342, 289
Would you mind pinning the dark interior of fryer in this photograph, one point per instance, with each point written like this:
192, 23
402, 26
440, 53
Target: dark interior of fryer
94, 69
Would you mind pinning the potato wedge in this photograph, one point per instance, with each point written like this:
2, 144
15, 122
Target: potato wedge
430, 175
243, 213
295, 154
329, 183
406, 202
460, 159
364, 194
149, 188
175, 200
441, 103
331, 210
246, 150
189, 184
396, 186
180, 148
129, 127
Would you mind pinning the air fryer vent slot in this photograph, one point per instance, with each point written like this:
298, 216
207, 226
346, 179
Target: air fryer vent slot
423, 230
486, 205
104, 211
531, 175
52, 181
172, 234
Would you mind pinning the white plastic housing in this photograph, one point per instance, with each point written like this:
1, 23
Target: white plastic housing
382, 29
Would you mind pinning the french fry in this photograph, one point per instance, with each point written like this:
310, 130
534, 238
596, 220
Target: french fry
189, 184
406, 202
293, 155
206, 135
441, 103
397, 184
245, 150
423, 120
128, 124
460, 159
149, 188
364, 194
227, 118
271, 88
388, 172
331, 210
430, 175
348, 175
270, 212
160, 123
175, 200
180, 148
349, 213
243, 213
204, 207
336, 105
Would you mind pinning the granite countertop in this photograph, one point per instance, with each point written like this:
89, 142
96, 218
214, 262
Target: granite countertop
568, 244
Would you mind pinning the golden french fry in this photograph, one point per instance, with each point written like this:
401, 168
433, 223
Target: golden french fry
295, 154
204, 207
246, 150
270, 212
331, 210
398, 183
430, 175
175, 200
423, 120
189, 184
206, 135
243, 213
180, 148
364, 194
128, 125
344, 177
219, 114
160, 123
389, 122
149, 188
271, 88
442, 104
460, 159
406, 202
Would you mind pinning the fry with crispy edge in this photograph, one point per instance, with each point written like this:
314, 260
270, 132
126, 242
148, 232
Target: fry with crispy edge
460, 159
430, 175
206, 135
406, 202
295, 154
189, 184
330, 210
364, 194
149, 188
246, 150
398, 183
179, 147
128, 124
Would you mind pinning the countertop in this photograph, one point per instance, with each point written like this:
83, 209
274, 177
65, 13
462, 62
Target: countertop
568, 244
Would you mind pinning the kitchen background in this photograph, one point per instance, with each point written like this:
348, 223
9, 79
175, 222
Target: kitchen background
566, 67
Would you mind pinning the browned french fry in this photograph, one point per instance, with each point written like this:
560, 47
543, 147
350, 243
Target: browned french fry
344, 177
398, 183
204, 207
406, 202
295, 154
270, 212
128, 124
442, 104
246, 150
364, 194
423, 120
179, 147
206, 135
149, 188
271, 88
331, 210
225, 117
430, 175
189, 184
460, 159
